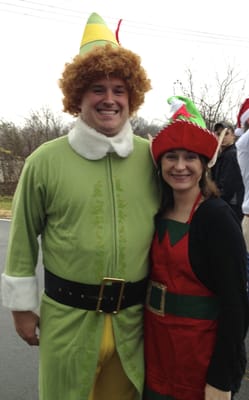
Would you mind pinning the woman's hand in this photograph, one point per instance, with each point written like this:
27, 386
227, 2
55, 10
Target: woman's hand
212, 393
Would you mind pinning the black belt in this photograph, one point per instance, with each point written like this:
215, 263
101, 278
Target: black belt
110, 296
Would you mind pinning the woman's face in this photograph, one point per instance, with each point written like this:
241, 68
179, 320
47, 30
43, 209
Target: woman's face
181, 169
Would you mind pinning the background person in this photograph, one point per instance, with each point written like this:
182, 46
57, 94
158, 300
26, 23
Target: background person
197, 311
91, 196
226, 171
218, 128
242, 145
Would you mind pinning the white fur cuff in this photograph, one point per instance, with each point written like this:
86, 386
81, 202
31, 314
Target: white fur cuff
20, 293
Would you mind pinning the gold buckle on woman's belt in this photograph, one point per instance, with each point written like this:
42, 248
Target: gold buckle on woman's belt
105, 281
163, 289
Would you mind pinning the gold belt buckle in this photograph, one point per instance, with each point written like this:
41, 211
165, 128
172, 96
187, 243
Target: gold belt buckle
163, 289
105, 281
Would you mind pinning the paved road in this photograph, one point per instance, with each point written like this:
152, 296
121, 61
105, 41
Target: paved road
19, 362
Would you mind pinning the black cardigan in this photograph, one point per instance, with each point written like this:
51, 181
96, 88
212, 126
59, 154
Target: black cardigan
218, 257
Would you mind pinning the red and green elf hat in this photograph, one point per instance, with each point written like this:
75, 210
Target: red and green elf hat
186, 130
96, 33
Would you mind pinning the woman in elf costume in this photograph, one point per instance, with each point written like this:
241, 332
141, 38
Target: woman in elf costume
197, 312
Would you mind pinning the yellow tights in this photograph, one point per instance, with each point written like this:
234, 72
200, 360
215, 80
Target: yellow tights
110, 379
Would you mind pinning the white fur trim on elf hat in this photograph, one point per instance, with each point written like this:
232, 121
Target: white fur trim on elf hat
238, 132
244, 117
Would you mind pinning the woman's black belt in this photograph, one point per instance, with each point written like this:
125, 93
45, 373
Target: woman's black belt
112, 295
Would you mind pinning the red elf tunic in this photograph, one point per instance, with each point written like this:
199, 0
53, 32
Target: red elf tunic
180, 319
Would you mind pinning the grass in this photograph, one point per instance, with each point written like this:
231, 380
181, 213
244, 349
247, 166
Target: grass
5, 206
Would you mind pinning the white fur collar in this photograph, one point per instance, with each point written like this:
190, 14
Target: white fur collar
93, 145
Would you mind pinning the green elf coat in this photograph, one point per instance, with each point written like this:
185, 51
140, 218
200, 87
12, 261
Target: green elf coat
92, 200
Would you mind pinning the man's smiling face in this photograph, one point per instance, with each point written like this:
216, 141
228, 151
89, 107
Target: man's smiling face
105, 105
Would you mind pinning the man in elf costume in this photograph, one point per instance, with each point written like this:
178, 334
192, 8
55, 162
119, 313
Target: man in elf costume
91, 197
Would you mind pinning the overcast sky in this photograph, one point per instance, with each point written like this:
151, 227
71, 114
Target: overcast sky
38, 37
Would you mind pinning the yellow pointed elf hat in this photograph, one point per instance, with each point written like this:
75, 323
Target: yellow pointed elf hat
96, 33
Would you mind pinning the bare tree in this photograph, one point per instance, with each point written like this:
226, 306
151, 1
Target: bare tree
10, 139
42, 126
142, 128
218, 101
39, 127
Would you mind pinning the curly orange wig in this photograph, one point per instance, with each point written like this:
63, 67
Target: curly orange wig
103, 61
